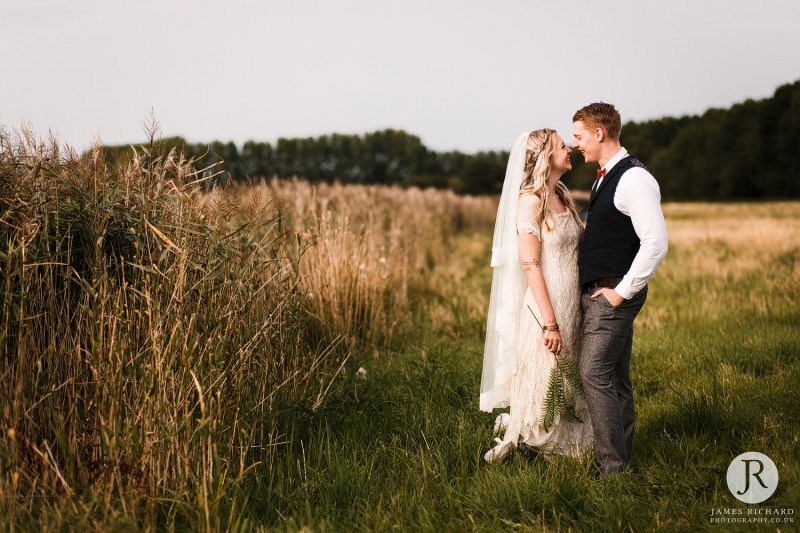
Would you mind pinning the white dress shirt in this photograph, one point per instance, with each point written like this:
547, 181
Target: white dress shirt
639, 197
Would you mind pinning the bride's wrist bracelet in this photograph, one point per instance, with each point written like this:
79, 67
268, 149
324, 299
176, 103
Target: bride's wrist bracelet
550, 327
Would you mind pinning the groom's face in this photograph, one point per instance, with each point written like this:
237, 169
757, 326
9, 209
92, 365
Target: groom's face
586, 141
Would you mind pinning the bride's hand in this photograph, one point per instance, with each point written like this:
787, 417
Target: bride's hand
552, 341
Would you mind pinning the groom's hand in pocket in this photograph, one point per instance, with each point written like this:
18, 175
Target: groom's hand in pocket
611, 295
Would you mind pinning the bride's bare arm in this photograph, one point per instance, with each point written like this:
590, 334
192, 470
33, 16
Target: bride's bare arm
530, 249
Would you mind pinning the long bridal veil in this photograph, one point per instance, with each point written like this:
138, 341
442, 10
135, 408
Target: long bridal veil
508, 289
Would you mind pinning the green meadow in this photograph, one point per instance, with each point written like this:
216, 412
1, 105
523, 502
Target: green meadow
716, 369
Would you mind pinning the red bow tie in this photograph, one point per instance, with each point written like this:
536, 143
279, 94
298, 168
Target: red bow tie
601, 172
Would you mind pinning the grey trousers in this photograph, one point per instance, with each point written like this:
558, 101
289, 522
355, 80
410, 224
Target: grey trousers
605, 365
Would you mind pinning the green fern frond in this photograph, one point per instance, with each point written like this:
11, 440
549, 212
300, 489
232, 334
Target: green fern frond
570, 411
563, 386
552, 399
571, 374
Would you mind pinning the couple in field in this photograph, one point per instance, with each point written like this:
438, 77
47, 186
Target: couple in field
564, 298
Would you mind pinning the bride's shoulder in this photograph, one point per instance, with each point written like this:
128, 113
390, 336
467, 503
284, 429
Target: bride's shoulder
527, 210
528, 201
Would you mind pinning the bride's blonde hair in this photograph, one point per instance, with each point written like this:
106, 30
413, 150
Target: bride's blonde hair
538, 151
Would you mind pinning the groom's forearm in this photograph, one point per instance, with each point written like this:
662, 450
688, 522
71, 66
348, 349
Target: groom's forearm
640, 199
651, 254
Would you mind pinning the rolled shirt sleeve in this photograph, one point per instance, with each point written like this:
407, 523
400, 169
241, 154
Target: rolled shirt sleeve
639, 197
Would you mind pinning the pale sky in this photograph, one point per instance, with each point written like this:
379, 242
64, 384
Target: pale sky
467, 75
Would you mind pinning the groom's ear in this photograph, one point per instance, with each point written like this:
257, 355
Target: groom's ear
599, 134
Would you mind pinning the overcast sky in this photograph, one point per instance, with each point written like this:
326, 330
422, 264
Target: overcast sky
464, 74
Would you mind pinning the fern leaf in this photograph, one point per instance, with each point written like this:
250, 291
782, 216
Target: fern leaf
570, 411
572, 375
552, 400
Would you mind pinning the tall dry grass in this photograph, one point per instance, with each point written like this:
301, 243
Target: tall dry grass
368, 245
737, 255
157, 341
144, 344
729, 240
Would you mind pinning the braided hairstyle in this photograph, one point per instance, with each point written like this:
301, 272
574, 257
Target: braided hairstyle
538, 151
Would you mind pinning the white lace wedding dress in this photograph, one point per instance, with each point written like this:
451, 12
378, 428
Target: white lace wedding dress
559, 264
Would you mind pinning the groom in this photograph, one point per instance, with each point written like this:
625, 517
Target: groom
625, 241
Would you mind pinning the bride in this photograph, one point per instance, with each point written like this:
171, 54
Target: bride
533, 330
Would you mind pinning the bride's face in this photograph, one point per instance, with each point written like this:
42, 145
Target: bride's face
559, 159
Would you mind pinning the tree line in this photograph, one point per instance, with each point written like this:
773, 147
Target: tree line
391, 157
748, 151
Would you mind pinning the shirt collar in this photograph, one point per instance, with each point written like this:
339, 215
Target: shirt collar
616, 159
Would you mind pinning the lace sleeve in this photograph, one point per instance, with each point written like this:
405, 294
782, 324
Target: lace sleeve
526, 215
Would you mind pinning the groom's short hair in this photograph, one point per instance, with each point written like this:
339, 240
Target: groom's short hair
600, 115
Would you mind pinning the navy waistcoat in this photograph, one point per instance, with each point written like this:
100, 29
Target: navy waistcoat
610, 243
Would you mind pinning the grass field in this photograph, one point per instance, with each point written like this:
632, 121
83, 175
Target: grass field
178, 360
716, 370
